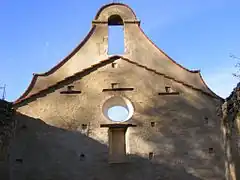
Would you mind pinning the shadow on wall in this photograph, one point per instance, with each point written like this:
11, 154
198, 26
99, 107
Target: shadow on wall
44, 152
41, 151
185, 134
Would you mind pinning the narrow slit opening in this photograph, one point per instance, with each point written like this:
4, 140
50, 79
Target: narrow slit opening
115, 35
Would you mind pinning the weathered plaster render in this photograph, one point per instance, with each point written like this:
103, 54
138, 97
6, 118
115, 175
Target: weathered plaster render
173, 135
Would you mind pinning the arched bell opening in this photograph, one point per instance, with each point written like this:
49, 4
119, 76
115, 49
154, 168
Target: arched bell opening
115, 20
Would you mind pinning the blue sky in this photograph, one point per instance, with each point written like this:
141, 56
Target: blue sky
199, 34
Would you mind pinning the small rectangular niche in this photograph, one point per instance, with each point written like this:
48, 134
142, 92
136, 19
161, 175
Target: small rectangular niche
150, 155
24, 126
114, 65
70, 90
114, 85
84, 126
153, 124
82, 157
205, 120
210, 150
84, 129
168, 91
19, 160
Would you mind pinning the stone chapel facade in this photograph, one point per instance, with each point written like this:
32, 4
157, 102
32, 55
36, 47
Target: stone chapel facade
172, 130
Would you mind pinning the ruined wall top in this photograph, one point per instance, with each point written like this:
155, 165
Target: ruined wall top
7, 125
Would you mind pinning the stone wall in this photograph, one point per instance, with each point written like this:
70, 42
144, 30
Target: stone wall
177, 136
62, 133
231, 133
7, 126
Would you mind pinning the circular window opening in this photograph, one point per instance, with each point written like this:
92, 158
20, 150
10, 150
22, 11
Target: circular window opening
117, 113
118, 109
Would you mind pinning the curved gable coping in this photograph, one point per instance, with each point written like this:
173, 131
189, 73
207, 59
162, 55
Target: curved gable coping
26, 95
60, 64
69, 56
22, 98
138, 22
113, 58
111, 4
212, 94
192, 71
